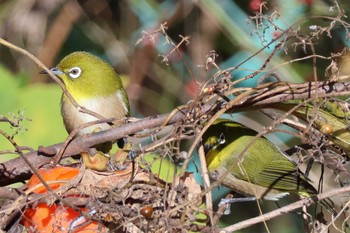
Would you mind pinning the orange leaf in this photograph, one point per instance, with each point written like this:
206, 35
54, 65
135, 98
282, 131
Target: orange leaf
53, 174
57, 218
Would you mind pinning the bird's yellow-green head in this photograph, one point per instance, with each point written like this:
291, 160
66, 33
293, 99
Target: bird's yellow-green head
86, 76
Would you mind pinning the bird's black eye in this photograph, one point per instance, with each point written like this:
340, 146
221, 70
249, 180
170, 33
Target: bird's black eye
74, 72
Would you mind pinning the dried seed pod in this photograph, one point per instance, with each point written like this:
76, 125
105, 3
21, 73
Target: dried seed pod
147, 211
326, 128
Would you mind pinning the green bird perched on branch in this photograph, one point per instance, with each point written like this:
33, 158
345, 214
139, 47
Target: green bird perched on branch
255, 166
95, 85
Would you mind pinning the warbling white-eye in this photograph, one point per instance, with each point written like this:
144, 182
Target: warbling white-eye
263, 171
95, 85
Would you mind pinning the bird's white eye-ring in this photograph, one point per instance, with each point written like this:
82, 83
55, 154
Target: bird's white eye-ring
74, 72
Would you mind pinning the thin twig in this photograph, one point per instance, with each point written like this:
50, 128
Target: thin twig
287, 209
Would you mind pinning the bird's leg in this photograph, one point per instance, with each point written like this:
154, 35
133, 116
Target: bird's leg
94, 158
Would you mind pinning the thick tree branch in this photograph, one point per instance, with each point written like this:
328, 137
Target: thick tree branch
16, 169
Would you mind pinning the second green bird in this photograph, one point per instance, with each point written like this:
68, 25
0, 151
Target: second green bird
264, 171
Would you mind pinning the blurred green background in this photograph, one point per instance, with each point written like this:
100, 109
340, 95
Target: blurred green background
111, 29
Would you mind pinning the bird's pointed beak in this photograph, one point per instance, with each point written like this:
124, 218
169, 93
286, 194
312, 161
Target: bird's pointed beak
54, 70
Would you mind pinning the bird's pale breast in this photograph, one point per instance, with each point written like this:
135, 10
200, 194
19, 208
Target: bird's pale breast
109, 107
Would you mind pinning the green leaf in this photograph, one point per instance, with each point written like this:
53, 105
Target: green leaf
163, 168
